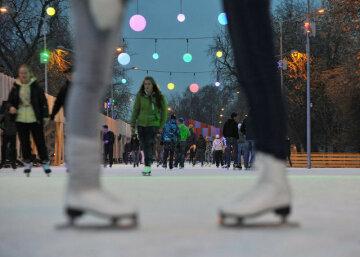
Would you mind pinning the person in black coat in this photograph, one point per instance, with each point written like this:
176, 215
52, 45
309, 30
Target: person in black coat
135, 150
247, 129
62, 95
108, 140
127, 151
28, 102
231, 134
8, 127
200, 150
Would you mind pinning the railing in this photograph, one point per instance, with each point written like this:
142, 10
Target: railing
327, 160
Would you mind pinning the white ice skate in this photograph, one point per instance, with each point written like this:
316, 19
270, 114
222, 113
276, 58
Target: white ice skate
98, 203
270, 194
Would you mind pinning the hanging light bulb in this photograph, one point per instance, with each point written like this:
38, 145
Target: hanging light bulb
124, 59
217, 84
123, 81
50, 11
137, 21
194, 87
181, 15
222, 19
187, 57
219, 54
170, 85
155, 55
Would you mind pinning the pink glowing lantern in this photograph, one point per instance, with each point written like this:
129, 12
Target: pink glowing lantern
194, 88
137, 23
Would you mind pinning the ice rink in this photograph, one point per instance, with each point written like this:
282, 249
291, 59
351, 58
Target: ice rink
178, 216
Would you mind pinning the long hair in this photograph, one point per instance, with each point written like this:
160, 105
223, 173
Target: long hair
157, 93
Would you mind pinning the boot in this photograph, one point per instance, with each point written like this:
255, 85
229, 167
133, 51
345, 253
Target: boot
97, 203
46, 167
270, 194
27, 168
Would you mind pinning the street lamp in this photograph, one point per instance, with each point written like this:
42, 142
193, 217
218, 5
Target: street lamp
3, 9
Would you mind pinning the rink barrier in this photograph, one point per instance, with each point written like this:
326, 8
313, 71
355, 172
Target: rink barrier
327, 160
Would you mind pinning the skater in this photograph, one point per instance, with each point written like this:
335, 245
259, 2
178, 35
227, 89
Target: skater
8, 137
108, 141
255, 62
159, 149
135, 150
247, 129
169, 138
288, 150
28, 102
231, 133
62, 96
97, 24
208, 151
191, 145
184, 133
149, 115
241, 148
218, 148
200, 150
127, 151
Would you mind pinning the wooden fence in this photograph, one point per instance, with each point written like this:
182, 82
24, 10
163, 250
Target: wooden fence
327, 160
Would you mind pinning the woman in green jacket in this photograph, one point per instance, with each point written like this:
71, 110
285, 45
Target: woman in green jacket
149, 115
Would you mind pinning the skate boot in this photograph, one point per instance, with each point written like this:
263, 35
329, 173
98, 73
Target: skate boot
270, 194
27, 168
147, 171
98, 203
46, 167
13, 165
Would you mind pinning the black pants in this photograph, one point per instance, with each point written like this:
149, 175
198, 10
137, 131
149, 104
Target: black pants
200, 156
108, 154
8, 146
169, 149
37, 132
252, 41
218, 157
182, 153
192, 154
147, 141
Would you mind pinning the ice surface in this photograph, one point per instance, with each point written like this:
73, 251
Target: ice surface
178, 216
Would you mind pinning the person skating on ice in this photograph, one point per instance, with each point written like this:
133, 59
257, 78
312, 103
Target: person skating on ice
149, 116
28, 102
169, 138
253, 49
184, 134
231, 133
8, 135
135, 150
97, 25
108, 143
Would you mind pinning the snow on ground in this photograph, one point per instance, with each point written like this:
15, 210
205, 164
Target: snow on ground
178, 216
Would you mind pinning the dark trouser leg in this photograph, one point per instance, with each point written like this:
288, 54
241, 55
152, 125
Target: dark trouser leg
3, 148
23, 130
234, 148
12, 148
166, 154
228, 151
111, 153
182, 153
147, 139
37, 131
106, 153
171, 157
254, 58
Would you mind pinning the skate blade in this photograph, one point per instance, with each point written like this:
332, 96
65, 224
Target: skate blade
123, 222
259, 225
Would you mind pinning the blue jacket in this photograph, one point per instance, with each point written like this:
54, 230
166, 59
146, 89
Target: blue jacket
170, 131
